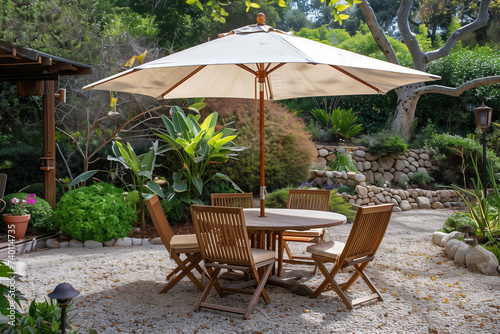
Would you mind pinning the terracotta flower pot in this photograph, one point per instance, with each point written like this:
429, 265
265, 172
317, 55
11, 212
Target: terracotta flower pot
18, 224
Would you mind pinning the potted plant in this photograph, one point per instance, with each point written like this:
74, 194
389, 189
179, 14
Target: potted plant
18, 215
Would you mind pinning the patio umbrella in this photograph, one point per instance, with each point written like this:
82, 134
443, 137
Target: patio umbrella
260, 58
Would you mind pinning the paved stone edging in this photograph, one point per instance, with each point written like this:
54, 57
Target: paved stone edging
476, 258
122, 242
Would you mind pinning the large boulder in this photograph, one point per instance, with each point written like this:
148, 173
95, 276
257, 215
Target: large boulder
459, 257
479, 259
452, 247
386, 162
437, 236
423, 202
451, 236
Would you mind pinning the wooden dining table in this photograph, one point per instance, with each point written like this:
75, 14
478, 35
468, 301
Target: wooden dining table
270, 228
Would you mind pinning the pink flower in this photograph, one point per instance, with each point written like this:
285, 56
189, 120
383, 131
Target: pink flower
31, 199
15, 201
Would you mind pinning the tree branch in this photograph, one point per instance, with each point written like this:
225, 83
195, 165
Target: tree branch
458, 90
409, 38
480, 21
377, 33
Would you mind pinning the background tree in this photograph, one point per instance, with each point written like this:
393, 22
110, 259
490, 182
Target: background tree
409, 95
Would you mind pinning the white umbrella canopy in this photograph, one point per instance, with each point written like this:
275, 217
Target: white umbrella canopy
286, 66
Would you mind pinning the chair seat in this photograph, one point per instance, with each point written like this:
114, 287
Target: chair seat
260, 255
184, 241
314, 232
331, 249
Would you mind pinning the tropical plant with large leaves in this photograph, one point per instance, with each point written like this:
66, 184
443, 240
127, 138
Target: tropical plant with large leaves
140, 168
197, 145
484, 210
342, 123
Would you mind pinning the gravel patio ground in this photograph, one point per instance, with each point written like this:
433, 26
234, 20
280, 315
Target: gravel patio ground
423, 291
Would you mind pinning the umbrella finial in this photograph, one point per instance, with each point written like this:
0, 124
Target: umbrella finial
261, 19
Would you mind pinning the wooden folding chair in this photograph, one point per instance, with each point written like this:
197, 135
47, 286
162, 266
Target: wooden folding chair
364, 239
224, 244
304, 199
176, 245
241, 200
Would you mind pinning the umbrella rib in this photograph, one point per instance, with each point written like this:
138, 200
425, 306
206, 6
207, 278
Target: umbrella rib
180, 82
246, 68
274, 68
356, 78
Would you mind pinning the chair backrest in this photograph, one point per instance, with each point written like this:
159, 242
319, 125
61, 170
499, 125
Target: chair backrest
367, 233
306, 199
242, 200
3, 183
222, 234
160, 220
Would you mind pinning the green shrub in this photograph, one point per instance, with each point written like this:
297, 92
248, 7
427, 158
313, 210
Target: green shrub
278, 198
42, 216
383, 183
403, 180
385, 142
288, 150
342, 189
421, 178
458, 221
456, 153
97, 212
343, 163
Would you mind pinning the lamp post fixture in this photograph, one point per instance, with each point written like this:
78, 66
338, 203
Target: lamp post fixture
483, 121
63, 293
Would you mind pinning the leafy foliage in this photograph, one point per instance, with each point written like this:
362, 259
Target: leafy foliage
42, 217
343, 162
421, 178
458, 153
97, 212
384, 142
459, 221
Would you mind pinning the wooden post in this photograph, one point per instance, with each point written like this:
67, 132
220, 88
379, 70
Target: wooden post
49, 143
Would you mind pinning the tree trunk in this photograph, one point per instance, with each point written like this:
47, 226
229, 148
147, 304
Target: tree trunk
405, 109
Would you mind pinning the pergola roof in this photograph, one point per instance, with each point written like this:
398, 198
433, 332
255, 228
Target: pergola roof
25, 64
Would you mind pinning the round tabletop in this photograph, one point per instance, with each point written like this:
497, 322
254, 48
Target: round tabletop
291, 219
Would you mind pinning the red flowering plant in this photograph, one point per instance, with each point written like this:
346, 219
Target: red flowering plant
20, 207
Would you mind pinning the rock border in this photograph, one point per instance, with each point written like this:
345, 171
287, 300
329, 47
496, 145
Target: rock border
476, 258
122, 242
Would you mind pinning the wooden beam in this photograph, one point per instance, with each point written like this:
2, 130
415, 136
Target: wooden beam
49, 143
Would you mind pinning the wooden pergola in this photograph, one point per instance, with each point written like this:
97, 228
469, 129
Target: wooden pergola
35, 73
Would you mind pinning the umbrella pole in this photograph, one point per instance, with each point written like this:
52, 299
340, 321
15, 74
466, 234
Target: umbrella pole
261, 125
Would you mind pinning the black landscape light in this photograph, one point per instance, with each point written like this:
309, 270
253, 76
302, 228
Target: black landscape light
63, 293
483, 121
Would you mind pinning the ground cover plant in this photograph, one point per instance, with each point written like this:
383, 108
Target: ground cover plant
97, 212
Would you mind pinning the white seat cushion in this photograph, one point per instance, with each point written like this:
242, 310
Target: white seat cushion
260, 255
331, 249
184, 241
314, 232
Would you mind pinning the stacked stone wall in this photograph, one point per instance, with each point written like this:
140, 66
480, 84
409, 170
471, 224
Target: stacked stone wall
372, 168
375, 167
